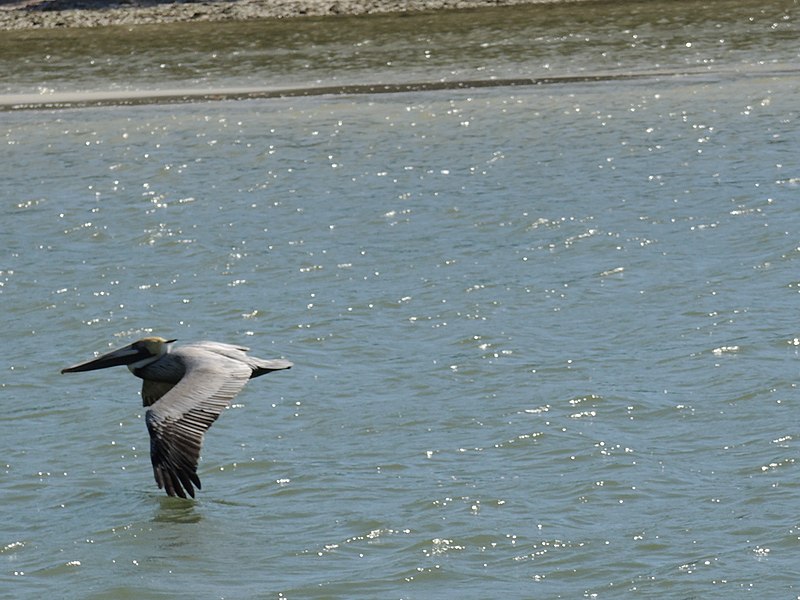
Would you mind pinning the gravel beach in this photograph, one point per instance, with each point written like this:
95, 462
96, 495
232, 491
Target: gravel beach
37, 14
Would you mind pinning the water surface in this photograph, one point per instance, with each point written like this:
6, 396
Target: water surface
545, 336
591, 38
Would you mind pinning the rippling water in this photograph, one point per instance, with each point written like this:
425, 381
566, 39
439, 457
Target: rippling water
545, 336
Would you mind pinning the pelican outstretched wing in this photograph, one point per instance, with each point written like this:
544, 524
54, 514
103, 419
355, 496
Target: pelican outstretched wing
178, 421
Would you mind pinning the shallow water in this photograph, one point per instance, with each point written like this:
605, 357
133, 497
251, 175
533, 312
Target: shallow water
545, 336
592, 38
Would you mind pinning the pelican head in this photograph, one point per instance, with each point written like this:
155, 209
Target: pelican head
136, 355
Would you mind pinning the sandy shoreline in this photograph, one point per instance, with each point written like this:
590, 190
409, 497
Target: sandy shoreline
39, 14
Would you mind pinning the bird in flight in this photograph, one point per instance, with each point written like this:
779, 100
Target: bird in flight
185, 389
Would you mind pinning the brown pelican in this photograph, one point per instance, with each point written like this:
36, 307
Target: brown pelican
186, 389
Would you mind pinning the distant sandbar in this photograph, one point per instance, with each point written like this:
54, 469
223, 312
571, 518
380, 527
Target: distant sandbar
40, 14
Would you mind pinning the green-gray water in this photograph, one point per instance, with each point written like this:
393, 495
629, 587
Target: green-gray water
545, 336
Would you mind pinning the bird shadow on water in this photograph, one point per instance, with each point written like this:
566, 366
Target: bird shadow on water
177, 510
180, 510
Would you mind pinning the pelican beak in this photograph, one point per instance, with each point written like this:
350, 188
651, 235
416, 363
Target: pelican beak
123, 356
